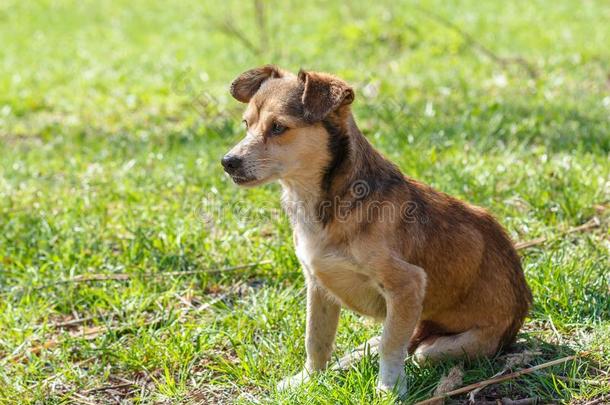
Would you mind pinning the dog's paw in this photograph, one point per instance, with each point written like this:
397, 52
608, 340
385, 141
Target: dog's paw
294, 381
421, 358
398, 386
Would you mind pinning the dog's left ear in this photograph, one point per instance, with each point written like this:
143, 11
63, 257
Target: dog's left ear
323, 94
245, 86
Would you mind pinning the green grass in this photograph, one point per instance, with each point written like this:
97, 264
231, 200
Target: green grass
113, 118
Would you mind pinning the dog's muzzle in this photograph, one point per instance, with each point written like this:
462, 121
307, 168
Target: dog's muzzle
231, 164
234, 166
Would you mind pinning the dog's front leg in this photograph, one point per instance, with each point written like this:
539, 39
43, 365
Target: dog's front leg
403, 286
320, 330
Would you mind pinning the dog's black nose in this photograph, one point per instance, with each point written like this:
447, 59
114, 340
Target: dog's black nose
231, 163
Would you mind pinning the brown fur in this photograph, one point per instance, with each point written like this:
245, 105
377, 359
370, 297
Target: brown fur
442, 274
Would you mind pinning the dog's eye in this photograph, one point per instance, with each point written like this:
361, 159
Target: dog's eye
245, 124
277, 129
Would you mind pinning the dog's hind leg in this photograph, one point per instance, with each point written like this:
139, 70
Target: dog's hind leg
370, 347
472, 343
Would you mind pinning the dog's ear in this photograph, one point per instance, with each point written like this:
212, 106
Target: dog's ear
323, 94
247, 84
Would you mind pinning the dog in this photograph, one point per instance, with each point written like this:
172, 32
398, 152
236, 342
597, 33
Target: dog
442, 275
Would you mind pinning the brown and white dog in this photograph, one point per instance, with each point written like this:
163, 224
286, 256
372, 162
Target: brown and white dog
441, 274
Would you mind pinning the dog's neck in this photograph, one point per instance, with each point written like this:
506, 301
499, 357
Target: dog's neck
354, 171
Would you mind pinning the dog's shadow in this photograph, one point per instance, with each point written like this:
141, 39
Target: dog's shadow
553, 383
558, 382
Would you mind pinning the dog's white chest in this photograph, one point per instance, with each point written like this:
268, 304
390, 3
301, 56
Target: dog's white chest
314, 252
341, 270
340, 273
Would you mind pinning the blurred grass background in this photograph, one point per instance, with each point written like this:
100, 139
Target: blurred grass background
113, 118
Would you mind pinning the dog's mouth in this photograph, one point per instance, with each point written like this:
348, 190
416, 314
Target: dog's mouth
244, 180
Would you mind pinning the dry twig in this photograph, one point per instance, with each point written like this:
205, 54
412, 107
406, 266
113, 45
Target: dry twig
109, 387
228, 28
471, 41
72, 322
591, 224
85, 278
600, 400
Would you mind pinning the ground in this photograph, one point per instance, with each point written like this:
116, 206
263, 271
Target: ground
120, 235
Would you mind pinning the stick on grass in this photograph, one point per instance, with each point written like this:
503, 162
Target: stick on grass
86, 278
591, 224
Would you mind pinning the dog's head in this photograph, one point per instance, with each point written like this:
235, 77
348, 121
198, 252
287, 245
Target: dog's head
285, 135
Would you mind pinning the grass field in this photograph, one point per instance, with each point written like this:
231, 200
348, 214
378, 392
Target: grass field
113, 118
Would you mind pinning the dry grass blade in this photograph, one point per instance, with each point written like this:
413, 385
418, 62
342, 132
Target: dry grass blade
84, 278
80, 399
601, 400
591, 224
109, 387
73, 322
208, 271
508, 401
214, 301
